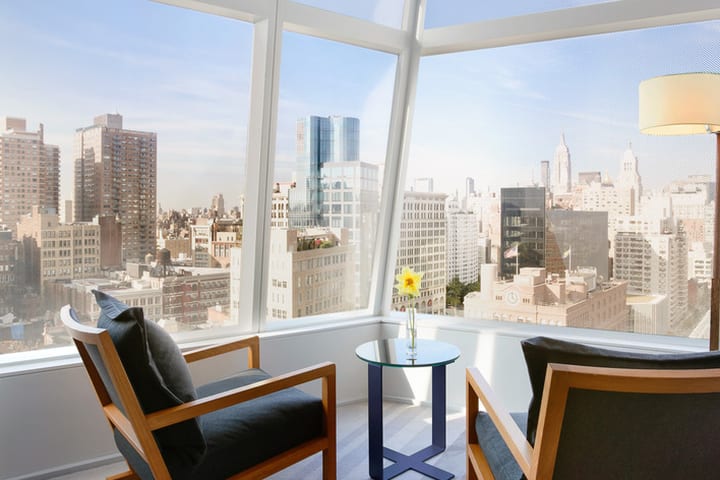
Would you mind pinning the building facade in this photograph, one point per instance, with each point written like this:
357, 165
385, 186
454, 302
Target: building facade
29, 172
522, 229
536, 298
116, 175
651, 254
319, 140
311, 273
463, 250
58, 252
422, 247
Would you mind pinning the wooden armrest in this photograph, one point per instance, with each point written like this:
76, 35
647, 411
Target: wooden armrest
201, 406
251, 343
514, 438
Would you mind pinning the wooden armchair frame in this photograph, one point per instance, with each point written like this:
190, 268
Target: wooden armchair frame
539, 462
137, 427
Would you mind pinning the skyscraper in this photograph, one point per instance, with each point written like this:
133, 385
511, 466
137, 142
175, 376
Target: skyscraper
319, 140
116, 175
629, 177
522, 227
29, 172
422, 247
562, 174
651, 253
351, 200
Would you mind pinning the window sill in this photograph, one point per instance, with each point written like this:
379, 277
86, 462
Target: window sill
13, 364
599, 338
66, 357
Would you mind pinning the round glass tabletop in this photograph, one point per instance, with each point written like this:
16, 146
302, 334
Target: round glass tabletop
392, 352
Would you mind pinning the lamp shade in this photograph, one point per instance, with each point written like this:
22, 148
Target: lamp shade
680, 104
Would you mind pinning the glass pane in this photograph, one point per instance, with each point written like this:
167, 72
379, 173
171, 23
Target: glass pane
331, 141
384, 12
122, 151
443, 13
555, 208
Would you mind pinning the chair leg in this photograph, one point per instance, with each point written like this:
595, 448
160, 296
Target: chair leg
329, 460
129, 475
471, 474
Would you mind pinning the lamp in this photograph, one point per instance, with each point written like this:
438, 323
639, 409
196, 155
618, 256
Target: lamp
683, 104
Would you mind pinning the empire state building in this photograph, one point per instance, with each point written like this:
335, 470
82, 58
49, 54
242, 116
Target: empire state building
561, 175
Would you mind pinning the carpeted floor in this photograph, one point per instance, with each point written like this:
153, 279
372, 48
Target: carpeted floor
407, 429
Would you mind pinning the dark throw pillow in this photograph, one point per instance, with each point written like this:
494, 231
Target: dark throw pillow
539, 351
159, 375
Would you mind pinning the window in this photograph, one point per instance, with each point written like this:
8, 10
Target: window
171, 105
497, 105
332, 131
533, 141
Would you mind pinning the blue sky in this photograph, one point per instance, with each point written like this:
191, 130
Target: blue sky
493, 115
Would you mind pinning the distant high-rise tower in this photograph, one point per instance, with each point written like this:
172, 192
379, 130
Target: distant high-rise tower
562, 175
218, 205
629, 176
545, 173
469, 192
116, 175
319, 140
29, 173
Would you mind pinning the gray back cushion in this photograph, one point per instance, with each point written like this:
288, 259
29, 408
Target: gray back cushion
158, 373
540, 351
638, 436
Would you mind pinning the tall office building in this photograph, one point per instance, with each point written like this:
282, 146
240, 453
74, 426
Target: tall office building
469, 192
422, 247
522, 229
629, 178
545, 174
351, 200
652, 255
217, 205
116, 175
562, 174
577, 239
463, 250
29, 172
319, 140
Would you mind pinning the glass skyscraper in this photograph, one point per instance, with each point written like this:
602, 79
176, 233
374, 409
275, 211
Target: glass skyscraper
320, 140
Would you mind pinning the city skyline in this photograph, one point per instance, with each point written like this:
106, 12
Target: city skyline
478, 111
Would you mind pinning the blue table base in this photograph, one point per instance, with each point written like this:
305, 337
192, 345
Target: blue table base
404, 462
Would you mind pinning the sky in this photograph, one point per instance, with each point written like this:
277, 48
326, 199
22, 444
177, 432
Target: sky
492, 115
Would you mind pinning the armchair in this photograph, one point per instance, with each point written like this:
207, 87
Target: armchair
642, 417
246, 426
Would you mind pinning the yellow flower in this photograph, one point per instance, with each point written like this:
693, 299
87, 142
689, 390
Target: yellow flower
408, 282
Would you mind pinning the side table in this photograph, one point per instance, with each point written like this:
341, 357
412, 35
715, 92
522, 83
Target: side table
391, 353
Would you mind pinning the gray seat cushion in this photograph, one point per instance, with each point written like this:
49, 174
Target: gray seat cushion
502, 463
243, 435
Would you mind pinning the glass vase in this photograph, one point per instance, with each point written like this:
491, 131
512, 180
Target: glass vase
411, 334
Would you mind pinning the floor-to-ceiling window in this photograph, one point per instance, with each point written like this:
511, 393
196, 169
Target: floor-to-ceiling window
123, 163
558, 210
147, 107
333, 118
